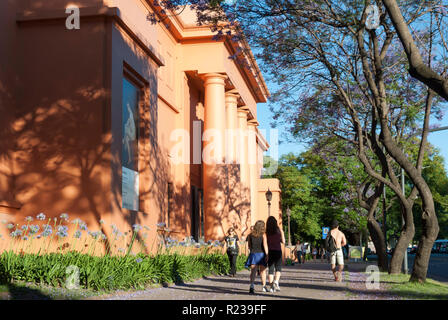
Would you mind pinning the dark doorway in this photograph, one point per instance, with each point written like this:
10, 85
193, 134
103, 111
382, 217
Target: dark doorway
197, 219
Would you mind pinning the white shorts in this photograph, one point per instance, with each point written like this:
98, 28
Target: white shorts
337, 256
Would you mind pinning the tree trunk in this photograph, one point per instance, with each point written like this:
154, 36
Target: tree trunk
378, 240
406, 236
430, 225
430, 230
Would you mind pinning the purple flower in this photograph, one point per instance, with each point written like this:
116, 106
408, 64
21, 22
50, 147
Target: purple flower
40, 216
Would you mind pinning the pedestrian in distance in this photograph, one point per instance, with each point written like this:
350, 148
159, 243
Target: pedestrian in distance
335, 241
322, 254
298, 251
304, 249
231, 243
314, 252
275, 238
258, 256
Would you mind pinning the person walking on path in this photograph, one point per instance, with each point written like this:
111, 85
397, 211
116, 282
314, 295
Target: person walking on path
298, 251
258, 255
314, 253
304, 248
322, 254
275, 238
336, 240
231, 242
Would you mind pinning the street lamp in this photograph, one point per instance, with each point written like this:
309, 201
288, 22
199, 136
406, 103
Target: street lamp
269, 198
288, 213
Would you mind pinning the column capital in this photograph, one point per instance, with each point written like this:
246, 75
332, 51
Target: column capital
242, 113
253, 123
232, 97
213, 78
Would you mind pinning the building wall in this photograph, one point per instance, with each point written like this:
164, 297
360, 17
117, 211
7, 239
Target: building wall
61, 105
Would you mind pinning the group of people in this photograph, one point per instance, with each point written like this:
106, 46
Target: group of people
265, 253
301, 249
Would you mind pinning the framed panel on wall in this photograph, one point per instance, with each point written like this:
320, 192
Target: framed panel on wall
130, 135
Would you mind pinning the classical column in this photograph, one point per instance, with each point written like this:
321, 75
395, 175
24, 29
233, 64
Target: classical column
242, 145
231, 126
253, 168
214, 170
242, 158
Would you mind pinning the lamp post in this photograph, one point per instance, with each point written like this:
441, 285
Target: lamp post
269, 198
288, 213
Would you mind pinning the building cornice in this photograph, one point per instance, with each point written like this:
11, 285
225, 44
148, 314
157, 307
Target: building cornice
187, 34
92, 12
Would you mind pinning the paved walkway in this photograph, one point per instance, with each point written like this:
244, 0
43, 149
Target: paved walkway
312, 280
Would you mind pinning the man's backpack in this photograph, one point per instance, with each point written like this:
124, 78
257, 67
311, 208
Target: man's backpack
330, 243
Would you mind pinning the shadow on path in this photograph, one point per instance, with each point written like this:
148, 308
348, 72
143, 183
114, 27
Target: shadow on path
25, 293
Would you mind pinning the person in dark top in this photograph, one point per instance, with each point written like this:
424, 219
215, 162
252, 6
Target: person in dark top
258, 247
275, 238
231, 242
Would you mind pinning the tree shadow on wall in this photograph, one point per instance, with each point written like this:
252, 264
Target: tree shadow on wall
56, 140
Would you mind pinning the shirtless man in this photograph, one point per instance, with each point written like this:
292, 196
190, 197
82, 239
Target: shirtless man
338, 255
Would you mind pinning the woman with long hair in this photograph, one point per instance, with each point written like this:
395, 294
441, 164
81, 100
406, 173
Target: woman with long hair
258, 247
231, 242
275, 238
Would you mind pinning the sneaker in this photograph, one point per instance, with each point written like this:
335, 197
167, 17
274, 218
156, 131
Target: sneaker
267, 289
276, 287
251, 290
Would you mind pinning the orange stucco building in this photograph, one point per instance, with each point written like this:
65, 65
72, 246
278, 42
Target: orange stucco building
127, 121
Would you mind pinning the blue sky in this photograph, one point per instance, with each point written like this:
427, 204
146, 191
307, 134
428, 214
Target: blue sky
438, 139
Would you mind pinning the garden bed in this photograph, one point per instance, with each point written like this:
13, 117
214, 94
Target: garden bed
76, 271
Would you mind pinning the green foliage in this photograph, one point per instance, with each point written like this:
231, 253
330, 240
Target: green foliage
111, 273
317, 191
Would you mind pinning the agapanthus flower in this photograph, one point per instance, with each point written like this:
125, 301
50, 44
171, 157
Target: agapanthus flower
46, 230
10, 226
101, 221
25, 238
24, 227
83, 226
34, 228
161, 224
94, 234
29, 219
138, 260
62, 231
137, 227
77, 221
41, 216
64, 216
16, 233
77, 234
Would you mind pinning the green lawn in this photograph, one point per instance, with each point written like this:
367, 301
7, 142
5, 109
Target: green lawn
400, 285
